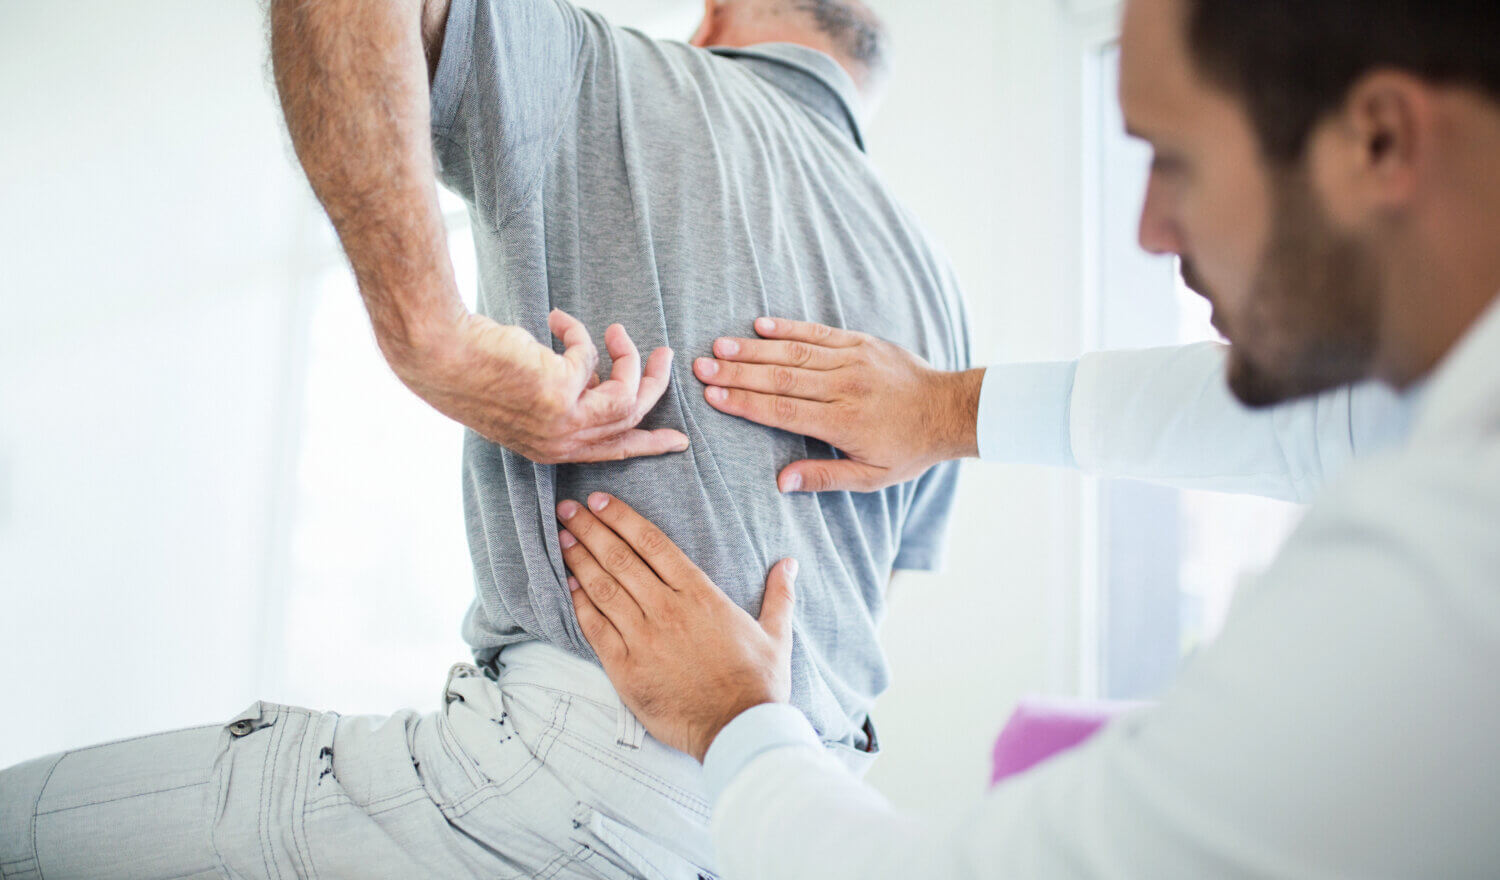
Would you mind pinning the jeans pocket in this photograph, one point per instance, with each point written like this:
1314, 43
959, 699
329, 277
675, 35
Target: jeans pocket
634, 854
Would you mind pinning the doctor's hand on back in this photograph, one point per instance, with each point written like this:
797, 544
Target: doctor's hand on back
681, 654
890, 413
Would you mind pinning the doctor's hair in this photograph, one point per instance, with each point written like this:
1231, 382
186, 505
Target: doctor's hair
855, 30
1294, 62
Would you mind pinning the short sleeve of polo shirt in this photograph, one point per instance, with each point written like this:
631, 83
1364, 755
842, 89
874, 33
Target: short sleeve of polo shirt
506, 86
924, 536
925, 530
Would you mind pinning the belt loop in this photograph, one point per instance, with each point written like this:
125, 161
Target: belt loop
872, 739
456, 672
628, 731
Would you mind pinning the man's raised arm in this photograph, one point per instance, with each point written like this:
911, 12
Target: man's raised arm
353, 78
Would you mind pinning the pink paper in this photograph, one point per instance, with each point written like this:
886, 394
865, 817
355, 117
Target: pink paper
1041, 728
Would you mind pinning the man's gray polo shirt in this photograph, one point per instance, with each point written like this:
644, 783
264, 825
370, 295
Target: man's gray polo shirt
684, 193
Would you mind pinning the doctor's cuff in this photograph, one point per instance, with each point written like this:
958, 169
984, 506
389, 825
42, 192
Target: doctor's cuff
752, 733
1024, 412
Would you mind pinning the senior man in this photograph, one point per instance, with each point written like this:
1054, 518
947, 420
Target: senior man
680, 189
1330, 173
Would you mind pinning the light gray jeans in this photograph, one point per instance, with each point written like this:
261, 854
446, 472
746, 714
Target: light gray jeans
539, 772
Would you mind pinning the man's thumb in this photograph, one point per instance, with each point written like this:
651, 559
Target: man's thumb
776, 607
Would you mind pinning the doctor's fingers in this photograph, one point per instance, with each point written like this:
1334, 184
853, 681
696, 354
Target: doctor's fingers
604, 591
822, 421
785, 381
597, 629
835, 475
610, 552
673, 569
804, 355
808, 331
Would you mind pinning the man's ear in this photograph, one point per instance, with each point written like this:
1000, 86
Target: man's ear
708, 28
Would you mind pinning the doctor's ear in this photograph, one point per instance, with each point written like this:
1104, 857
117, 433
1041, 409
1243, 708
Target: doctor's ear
1388, 137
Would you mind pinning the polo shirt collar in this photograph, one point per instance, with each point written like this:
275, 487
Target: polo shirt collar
811, 77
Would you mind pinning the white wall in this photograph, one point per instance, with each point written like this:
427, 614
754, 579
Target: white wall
148, 224
153, 238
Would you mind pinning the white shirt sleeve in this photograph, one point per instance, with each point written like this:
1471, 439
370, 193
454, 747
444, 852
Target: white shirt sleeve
753, 732
1342, 726
1166, 416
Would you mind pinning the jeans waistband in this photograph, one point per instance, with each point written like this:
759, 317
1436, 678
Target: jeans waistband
545, 665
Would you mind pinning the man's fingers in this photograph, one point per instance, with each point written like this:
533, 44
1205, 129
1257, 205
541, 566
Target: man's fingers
633, 443
787, 413
629, 394
610, 405
626, 360
807, 356
806, 331
780, 598
785, 381
833, 475
606, 408
578, 348
654, 382
616, 560
600, 633
665, 558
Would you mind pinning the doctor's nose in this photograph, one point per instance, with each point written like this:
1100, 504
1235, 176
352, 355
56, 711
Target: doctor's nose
1158, 232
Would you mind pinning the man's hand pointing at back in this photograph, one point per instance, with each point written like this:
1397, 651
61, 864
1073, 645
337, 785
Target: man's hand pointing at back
549, 407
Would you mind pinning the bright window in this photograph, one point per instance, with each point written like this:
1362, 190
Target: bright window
1165, 562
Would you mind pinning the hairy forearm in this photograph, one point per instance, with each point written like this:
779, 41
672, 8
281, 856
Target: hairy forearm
954, 421
353, 81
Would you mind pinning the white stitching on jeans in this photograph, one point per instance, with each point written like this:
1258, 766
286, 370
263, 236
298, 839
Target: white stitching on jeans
123, 797
643, 776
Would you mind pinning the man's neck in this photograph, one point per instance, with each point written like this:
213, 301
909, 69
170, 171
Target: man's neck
861, 103
778, 29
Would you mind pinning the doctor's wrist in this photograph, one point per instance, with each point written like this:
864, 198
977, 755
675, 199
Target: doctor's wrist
750, 734
703, 741
954, 421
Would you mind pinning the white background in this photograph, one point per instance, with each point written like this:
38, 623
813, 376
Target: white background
182, 432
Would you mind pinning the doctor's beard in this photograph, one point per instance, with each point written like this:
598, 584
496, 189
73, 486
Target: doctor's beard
1309, 322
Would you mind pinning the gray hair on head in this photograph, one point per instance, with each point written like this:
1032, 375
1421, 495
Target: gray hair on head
856, 31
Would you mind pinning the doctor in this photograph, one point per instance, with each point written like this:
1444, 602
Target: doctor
1330, 174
